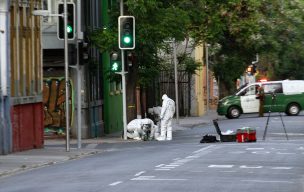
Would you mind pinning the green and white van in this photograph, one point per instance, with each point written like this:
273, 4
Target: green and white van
280, 96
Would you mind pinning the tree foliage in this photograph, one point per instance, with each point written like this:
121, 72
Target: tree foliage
235, 29
281, 39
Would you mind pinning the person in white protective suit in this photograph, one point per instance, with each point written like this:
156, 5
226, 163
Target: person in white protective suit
138, 128
166, 115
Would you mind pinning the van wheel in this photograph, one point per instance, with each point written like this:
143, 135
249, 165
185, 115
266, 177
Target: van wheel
293, 109
233, 112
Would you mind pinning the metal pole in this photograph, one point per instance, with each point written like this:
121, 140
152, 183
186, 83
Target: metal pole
66, 67
207, 79
78, 90
176, 82
123, 79
2, 120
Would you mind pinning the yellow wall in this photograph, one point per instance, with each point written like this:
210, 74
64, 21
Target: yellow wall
199, 83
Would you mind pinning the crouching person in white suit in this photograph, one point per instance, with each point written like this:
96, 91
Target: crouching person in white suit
166, 115
138, 129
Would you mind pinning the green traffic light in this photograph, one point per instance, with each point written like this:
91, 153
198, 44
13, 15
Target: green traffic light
127, 39
114, 66
69, 29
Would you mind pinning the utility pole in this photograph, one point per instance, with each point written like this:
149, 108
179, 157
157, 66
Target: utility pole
176, 82
175, 78
207, 78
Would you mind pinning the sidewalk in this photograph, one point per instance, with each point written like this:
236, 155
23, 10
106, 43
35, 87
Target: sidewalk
52, 154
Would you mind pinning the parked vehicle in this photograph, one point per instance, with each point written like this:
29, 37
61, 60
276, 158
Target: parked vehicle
280, 96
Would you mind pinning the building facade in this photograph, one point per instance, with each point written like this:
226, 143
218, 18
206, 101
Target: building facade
21, 77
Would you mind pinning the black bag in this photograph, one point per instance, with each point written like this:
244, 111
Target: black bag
208, 139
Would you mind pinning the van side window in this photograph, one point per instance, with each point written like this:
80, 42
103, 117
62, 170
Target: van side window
273, 88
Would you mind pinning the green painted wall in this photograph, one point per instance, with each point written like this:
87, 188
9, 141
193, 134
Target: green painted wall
112, 99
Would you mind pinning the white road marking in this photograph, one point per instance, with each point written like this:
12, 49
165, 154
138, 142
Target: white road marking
192, 156
237, 152
260, 152
204, 149
254, 148
250, 167
279, 149
152, 179
146, 176
280, 153
281, 168
115, 183
168, 167
220, 166
139, 173
160, 165
183, 161
263, 181
162, 169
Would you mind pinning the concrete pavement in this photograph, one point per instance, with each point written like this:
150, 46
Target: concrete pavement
53, 154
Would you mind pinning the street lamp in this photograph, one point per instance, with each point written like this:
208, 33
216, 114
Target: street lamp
46, 13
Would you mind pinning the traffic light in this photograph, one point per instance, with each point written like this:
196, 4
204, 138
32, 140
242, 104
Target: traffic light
126, 32
130, 59
72, 54
83, 53
115, 63
70, 21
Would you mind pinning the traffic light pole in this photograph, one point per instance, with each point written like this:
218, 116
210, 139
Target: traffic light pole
78, 92
66, 67
123, 79
124, 98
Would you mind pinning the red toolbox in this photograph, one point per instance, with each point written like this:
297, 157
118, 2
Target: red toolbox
246, 134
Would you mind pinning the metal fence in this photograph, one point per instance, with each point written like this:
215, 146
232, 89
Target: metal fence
167, 86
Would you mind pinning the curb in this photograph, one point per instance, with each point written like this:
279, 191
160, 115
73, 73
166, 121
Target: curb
58, 158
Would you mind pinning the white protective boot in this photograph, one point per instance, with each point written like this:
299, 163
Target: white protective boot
169, 135
162, 136
136, 135
163, 129
169, 131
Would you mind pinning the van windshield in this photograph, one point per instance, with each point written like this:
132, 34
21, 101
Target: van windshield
241, 87
251, 90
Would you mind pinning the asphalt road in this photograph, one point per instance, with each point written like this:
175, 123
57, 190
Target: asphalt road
185, 165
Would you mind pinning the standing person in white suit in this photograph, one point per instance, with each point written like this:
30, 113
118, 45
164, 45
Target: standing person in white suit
166, 115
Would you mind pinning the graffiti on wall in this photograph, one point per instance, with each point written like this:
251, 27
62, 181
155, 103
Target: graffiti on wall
54, 100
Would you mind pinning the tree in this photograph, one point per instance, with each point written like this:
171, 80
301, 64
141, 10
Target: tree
281, 37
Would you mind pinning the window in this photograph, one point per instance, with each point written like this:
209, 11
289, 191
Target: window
273, 88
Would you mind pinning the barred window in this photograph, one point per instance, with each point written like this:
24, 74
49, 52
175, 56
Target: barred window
26, 64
